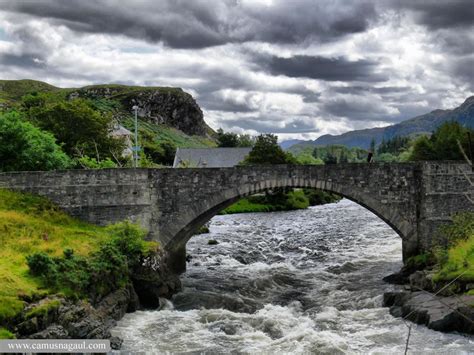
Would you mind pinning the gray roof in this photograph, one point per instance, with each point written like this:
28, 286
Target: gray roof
209, 157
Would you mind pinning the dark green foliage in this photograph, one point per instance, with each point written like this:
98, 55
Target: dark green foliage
394, 146
97, 275
372, 145
159, 152
41, 264
81, 129
229, 140
334, 154
443, 143
108, 271
319, 197
26, 147
128, 238
267, 151
461, 229
87, 162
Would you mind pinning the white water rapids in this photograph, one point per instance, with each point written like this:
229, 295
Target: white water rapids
307, 281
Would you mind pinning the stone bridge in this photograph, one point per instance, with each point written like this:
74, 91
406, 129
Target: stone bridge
413, 198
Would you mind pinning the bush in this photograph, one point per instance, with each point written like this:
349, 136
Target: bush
41, 264
462, 227
128, 238
26, 147
102, 272
87, 162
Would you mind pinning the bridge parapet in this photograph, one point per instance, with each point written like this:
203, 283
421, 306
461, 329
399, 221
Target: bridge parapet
413, 198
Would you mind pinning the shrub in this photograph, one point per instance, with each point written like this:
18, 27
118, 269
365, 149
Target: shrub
128, 238
41, 264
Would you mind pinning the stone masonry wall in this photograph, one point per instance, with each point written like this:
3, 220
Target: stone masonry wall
413, 198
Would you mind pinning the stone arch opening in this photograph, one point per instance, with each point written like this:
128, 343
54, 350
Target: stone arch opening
211, 207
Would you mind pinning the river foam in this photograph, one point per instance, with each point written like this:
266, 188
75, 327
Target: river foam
306, 281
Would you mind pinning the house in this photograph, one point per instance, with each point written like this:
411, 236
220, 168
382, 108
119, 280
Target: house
209, 157
119, 131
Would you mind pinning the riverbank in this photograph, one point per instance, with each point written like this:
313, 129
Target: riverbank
62, 278
439, 286
294, 199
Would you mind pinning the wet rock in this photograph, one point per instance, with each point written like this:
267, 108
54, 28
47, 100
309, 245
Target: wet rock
134, 302
115, 304
27, 327
446, 314
150, 284
212, 242
396, 279
52, 332
420, 281
116, 343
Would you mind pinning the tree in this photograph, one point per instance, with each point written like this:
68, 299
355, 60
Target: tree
267, 151
443, 143
246, 140
372, 145
79, 128
227, 139
26, 147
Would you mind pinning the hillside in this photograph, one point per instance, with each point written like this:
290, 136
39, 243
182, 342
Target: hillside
163, 111
426, 123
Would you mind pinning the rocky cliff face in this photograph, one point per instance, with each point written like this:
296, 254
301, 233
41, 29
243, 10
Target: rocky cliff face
158, 105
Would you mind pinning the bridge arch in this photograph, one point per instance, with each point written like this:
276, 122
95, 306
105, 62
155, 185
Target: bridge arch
202, 211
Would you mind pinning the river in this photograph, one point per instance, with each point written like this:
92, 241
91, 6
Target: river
307, 281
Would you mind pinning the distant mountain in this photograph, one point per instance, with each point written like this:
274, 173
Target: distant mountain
424, 124
287, 144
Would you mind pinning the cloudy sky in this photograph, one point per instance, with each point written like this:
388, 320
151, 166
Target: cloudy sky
298, 68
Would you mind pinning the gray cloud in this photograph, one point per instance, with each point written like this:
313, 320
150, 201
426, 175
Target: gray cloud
437, 14
21, 60
323, 68
359, 109
264, 124
200, 23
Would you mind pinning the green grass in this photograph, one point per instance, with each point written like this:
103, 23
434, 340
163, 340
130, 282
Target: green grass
166, 133
30, 224
15, 89
5, 334
459, 262
246, 206
43, 309
295, 200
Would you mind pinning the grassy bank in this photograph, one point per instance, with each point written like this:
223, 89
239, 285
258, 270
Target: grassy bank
44, 251
283, 201
458, 260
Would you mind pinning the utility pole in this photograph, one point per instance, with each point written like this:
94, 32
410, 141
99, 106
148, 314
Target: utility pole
135, 148
470, 145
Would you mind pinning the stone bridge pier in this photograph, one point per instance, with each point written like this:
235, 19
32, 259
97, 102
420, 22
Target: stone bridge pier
412, 198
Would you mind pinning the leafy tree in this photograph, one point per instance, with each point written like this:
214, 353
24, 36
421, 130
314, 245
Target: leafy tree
26, 147
227, 139
443, 143
230, 140
423, 149
246, 140
267, 151
81, 129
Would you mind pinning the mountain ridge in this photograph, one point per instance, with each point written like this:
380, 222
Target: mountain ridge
422, 124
